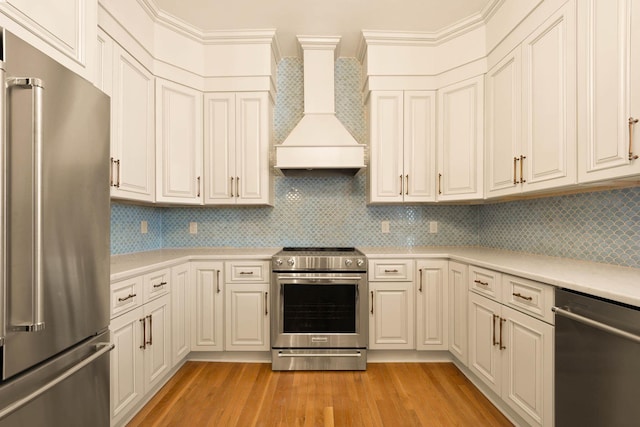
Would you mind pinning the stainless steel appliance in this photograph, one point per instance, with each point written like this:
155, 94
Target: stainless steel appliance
54, 307
319, 309
597, 361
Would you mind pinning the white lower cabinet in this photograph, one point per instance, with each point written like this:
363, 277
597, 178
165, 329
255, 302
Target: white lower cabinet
432, 305
206, 306
180, 312
458, 296
391, 316
247, 317
142, 355
512, 353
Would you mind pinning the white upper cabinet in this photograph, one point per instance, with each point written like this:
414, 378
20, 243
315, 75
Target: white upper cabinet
608, 89
132, 129
403, 146
237, 129
531, 111
63, 29
460, 140
178, 143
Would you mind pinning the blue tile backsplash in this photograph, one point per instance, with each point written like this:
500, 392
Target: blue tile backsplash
599, 226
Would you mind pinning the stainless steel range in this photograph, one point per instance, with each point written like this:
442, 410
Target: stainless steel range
319, 309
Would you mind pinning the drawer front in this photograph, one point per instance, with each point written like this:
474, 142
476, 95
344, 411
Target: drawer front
528, 296
125, 295
247, 271
156, 284
391, 270
485, 282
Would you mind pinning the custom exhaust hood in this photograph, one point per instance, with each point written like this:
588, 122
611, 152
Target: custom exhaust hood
319, 144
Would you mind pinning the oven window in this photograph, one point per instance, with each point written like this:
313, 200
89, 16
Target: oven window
319, 308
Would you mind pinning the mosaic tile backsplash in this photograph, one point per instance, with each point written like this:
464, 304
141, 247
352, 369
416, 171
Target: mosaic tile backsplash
599, 226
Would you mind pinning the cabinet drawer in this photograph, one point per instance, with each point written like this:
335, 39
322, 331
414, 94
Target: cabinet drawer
247, 271
391, 270
485, 282
156, 284
528, 296
125, 295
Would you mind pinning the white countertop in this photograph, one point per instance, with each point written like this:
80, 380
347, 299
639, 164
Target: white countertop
607, 281
604, 280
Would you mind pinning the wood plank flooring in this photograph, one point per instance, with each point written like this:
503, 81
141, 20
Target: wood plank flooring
386, 394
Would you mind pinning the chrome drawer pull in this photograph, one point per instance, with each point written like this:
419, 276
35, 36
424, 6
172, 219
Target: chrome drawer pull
519, 295
126, 298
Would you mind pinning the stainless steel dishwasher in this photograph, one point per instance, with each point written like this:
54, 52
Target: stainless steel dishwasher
597, 361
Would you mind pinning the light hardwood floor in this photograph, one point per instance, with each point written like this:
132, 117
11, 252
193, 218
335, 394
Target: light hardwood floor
386, 394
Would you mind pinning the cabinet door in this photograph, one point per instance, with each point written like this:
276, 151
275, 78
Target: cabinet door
132, 123
432, 305
386, 174
178, 143
484, 340
219, 148
247, 317
419, 146
127, 371
527, 367
460, 140
207, 300
180, 312
503, 116
458, 295
549, 102
104, 62
253, 134
157, 355
608, 42
391, 316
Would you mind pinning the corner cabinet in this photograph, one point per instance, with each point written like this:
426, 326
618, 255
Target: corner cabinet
132, 129
403, 146
237, 134
531, 111
207, 299
460, 141
178, 143
608, 89
458, 296
432, 306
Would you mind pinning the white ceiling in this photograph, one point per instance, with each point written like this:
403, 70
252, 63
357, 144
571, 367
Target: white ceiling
322, 17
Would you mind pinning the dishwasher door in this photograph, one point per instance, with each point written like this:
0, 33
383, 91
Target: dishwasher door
597, 362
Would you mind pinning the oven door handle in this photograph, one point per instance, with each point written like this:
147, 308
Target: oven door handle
357, 354
316, 278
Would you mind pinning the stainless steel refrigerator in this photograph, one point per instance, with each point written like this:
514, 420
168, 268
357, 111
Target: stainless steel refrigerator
54, 299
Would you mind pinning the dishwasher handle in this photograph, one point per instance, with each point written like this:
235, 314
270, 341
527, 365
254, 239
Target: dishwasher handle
595, 324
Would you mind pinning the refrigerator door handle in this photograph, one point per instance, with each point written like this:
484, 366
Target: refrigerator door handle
37, 313
101, 348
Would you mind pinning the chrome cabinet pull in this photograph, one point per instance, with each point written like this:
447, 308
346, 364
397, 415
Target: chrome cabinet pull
481, 283
266, 303
36, 322
159, 285
522, 180
519, 295
515, 163
502, 347
150, 342
439, 183
632, 122
371, 302
495, 316
111, 172
118, 173
232, 187
217, 281
420, 288
401, 185
144, 333
237, 186
126, 298
198, 195
406, 190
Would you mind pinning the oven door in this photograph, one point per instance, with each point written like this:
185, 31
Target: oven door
319, 310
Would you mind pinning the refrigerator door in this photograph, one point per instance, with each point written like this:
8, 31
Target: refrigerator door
71, 390
56, 208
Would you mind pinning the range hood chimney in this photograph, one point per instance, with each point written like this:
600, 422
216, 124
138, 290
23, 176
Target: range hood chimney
319, 144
